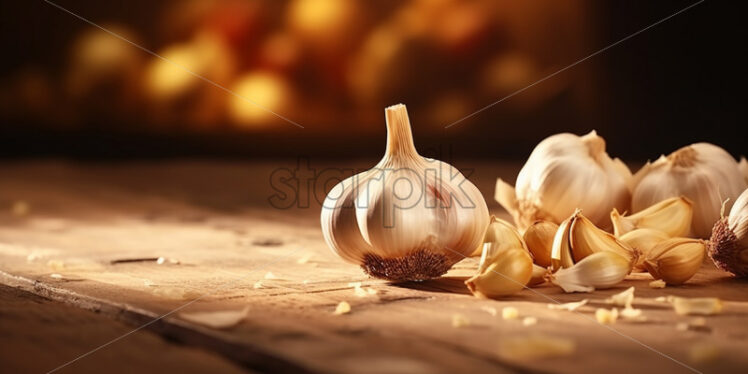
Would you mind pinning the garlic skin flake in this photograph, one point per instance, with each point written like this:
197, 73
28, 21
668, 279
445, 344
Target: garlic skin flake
597, 271
704, 173
409, 217
566, 172
728, 246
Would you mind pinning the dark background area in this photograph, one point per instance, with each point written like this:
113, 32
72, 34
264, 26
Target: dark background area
679, 82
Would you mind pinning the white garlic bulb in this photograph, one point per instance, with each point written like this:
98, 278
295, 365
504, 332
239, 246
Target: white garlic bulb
702, 172
566, 172
743, 166
409, 217
728, 247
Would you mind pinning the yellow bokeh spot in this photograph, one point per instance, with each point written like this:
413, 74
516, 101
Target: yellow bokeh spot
258, 94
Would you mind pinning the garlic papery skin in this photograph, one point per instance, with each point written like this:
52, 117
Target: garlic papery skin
506, 272
539, 240
643, 241
409, 217
566, 172
702, 172
597, 271
672, 216
676, 260
728, 246
500, 235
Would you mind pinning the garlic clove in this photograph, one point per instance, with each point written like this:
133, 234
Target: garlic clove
642, 241
561, 248
676, 260
597, 271
672, 216
728, 246
539, 240
538, 275
702, 172
409, 217
585, 239
508, 273
501, 235
566, 172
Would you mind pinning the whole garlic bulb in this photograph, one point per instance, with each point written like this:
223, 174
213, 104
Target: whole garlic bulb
702, 172
728, 247
409, 217
566, 172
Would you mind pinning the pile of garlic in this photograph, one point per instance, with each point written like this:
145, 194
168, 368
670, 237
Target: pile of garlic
578, 256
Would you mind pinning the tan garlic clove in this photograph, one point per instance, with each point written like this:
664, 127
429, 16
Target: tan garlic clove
676, 260
561, 248
539, 274
585, 239
728, 246
504, 274
539, 240
643, 241
672, 216
502, 235
597, 271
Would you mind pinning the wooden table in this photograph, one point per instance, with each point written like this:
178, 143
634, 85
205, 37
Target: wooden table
92, 231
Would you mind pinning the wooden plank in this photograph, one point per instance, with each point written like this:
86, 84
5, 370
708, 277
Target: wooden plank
214, 219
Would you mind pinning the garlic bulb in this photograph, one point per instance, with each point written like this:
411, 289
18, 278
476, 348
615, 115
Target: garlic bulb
702, 172
743, 166
408, 218
596, 271
672, 216
501, 272
728, 247
566, 172
539, 240
675, 260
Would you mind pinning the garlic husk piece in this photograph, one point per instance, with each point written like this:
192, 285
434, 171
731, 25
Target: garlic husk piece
566, 172
507, 273
704, 173
503, 234
728, 246
585, 239
643, 241
409, 217
675, 260
539, 241
672, 216
597, 271
561, 249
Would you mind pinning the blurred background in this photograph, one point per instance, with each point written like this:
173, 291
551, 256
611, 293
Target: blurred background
68, 89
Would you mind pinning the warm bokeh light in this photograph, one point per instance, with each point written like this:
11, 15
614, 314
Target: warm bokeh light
205, 56
258, 94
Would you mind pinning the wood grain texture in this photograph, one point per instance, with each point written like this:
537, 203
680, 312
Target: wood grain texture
215, 220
